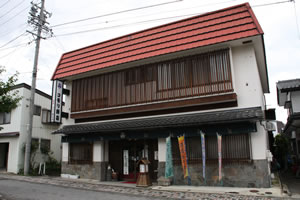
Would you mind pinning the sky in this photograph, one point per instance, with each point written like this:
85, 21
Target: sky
279, 20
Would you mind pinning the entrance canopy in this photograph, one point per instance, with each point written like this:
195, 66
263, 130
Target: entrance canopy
225, 122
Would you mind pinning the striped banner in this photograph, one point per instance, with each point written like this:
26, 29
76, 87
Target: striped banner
219, 137
169, 164
203, 154
183, 156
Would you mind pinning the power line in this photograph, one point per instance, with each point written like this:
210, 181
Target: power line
270, 4
168, 11
14, 16
12, 9
119, 12
5, 3
129, 24
147, 21
12, 40
297, 24
2, 49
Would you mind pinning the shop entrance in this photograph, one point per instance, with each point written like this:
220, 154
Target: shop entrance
3, 155
125, 154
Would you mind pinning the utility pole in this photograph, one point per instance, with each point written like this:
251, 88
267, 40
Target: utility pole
38, 21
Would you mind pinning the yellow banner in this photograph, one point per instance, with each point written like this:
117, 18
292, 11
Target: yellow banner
183, 156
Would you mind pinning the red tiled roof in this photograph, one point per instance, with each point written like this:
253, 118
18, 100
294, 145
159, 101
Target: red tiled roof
210, 28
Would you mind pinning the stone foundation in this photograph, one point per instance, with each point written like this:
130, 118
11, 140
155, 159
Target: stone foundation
96, 171
253, 174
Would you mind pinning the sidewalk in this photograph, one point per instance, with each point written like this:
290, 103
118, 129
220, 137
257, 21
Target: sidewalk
171, 192
291, 183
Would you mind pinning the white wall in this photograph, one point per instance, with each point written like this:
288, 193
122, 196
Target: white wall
13, 154
19, 123
162, 148
65, 152
295, 98
247, 82
259, 142
100, 151
40, 130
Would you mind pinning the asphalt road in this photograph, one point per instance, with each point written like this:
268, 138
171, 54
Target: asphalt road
19, 190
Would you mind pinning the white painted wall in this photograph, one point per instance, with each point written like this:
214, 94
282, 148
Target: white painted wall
19, 123
65, 152
12, 163
247, 81
162, 148
259, 141
295, 98
100, 151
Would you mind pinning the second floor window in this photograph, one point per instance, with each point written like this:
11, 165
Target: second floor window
46, 116
5, 118
37, 110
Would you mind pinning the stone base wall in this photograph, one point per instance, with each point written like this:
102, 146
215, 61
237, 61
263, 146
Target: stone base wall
96, 171
253, 174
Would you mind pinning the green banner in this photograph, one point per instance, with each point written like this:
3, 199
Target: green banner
169, 164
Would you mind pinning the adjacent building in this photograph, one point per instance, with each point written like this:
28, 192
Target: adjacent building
288, 95
205, 73
15, 126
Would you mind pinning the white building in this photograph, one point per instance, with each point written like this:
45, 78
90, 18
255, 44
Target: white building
15, 126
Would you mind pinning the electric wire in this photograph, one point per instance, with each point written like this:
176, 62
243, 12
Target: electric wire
15, 15
12, 9
119, 12
270, 4
296, 16
128, 24
12, 40
122, 19
147, 21
5, 3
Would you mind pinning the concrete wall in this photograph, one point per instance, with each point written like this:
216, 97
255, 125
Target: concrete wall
96, 170
254, 174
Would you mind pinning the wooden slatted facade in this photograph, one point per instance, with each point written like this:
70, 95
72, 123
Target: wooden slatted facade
234, 148
193, 76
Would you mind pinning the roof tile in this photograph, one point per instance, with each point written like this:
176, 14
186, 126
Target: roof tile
211, 28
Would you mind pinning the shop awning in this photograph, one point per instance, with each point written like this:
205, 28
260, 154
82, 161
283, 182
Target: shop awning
171, 121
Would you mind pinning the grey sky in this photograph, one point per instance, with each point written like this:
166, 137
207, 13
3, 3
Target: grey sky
282, 39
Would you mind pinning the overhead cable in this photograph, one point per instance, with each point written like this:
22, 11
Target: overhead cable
119, 12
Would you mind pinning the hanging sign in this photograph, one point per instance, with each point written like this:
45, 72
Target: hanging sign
125, 162
183, 156
169, 164
56, 103
219, 137
203, 153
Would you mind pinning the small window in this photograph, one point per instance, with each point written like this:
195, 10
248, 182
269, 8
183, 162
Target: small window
5, 118
81, 153
46, 114
37, 110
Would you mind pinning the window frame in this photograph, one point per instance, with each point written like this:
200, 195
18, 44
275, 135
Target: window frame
88, 146
5, 117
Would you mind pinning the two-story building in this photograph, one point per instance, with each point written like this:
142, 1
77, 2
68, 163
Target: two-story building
205, 73
288, 95
15, 127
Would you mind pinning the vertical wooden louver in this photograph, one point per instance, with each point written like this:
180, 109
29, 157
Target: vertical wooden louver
200, 75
